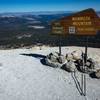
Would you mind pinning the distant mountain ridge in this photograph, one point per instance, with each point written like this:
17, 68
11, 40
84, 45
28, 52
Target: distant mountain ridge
34, 13
19, 14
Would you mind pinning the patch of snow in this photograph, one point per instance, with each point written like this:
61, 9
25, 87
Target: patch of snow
30, 19
8, 16
34, 22
36, 27
25, 35
24, 77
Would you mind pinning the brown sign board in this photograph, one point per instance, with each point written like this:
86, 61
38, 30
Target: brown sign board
85, 22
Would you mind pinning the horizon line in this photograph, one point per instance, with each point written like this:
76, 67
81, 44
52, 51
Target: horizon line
35, 11
44, 11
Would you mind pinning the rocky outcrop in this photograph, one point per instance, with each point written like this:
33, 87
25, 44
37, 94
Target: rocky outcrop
97, 73
70, 66
72, 61
55, 60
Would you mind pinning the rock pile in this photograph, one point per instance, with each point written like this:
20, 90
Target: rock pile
72, 61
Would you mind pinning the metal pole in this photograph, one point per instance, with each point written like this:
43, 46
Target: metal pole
83, 76
82, 83
85, 61
59, 45
86, 47
82, 79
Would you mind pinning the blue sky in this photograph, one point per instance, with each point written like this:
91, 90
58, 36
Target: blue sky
47, 5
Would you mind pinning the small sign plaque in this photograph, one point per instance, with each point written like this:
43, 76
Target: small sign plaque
57, 29
72, 30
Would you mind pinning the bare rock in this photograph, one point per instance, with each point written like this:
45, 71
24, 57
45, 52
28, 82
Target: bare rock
55, 60
69, 56
97, 73
77, 54
70, 66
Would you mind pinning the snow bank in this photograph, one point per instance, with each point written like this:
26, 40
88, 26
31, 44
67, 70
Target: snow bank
24, 77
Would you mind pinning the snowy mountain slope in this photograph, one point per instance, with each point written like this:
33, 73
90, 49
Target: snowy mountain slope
24, 77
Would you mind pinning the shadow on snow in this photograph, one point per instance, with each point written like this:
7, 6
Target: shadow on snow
38, 56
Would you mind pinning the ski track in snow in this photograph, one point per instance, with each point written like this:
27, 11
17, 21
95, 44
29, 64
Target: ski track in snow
24, 77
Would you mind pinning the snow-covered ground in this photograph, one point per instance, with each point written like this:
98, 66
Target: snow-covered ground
24, 77
36, 27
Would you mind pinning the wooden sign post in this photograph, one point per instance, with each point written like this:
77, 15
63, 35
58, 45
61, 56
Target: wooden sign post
60, 45
58, 30
84, 23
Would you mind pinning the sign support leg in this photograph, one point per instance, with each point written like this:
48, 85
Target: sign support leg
82, 79
83, 76
60, 45
85, 61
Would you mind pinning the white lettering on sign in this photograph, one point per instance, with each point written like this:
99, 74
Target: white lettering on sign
86, 29
57, 29
84, 18
82, 23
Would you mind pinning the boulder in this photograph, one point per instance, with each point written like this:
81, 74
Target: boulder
97, 73
53, 64
69, 56
55, 60
61, 59
89, 66
70, 66
53, 56
92, 65
77, 54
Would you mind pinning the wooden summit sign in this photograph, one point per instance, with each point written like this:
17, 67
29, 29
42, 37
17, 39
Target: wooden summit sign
85, 22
